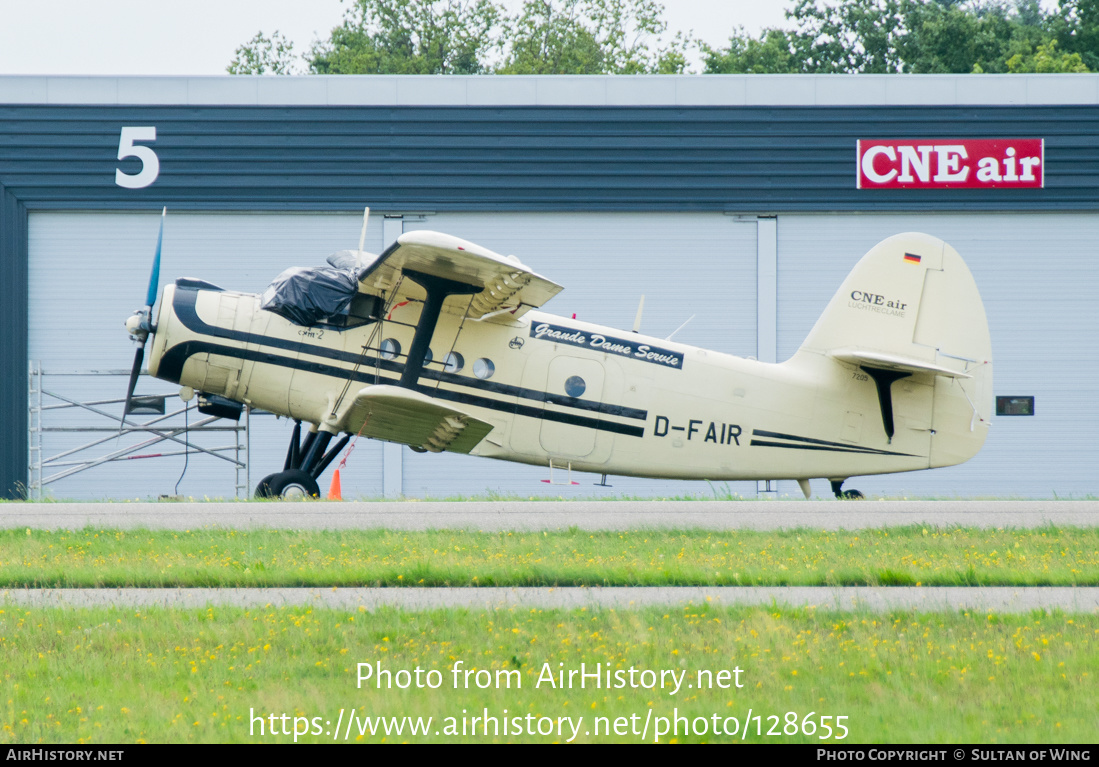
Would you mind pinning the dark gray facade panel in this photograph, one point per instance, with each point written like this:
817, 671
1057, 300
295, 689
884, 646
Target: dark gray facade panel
13, 345
745, 159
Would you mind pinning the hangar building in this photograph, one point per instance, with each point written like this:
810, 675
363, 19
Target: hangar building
735, 204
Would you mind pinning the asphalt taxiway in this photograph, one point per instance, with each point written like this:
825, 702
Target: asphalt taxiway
550, 515
1002, 599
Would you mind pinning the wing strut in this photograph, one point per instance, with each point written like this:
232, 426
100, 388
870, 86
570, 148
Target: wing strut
438, 288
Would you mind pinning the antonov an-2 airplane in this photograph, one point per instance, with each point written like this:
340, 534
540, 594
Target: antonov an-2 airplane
437, 344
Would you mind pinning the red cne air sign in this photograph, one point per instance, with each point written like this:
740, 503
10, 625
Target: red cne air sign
952, 164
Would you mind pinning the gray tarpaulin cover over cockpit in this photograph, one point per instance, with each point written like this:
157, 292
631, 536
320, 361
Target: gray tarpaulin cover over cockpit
306, 296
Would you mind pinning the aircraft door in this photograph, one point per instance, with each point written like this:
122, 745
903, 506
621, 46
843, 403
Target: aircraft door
573, 386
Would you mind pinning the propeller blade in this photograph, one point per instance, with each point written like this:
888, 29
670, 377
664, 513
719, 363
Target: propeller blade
141, 331
154, 278
135, 371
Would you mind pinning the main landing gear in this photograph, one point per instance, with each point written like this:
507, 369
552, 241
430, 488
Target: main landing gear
305, 462
845, 495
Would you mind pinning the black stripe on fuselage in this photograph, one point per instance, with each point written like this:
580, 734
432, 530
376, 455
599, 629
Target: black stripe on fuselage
521, 392
184, 305
808, 443
171, 364
172, 361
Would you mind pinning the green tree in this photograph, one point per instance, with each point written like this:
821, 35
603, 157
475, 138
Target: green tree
1076, 28
477, 36
263, 55
551, 38
1047, 59
919, 36
772, 53
826, 38
590, 37
960, 38
416, 37
853, 36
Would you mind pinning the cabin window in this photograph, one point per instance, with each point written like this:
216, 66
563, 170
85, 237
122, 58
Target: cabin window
390, 349
454, 362
484, 368
575, 386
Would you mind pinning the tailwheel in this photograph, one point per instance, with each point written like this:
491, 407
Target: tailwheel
845, 495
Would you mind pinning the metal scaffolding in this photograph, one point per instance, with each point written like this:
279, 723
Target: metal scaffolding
46, 399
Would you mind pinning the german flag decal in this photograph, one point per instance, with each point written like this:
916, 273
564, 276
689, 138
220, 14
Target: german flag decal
911, 258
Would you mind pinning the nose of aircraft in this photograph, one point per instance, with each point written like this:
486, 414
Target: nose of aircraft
137, 325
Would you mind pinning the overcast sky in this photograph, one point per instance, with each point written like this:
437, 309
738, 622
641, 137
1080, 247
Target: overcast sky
199, 37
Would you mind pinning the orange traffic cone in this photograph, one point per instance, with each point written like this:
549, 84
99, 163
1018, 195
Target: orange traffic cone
334, 490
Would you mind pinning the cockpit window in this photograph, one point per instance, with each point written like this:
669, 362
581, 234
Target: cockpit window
363, 309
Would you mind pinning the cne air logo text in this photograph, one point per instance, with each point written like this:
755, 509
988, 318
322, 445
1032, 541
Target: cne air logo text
950, 164
877, 303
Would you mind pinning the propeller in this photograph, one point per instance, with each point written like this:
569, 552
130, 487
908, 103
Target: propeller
139, 324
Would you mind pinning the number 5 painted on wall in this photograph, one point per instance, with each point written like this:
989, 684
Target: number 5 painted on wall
150, 163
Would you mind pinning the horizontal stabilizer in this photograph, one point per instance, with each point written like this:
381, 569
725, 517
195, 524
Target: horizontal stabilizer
396, 414
507, 284
894, 362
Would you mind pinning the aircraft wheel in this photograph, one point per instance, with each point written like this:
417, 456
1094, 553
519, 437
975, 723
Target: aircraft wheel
293, 485
845, 495
263, 489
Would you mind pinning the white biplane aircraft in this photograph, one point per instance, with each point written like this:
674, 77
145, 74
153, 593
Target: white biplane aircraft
437, 344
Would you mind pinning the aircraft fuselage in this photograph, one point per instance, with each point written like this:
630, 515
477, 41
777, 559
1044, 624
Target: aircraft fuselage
594, 398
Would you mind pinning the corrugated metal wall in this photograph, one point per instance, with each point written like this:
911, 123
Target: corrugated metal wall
751, 159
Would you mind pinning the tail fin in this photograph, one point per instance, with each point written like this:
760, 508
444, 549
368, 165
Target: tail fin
910, 308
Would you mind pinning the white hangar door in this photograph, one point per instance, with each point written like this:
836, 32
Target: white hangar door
1038, 276
89, 271
693, 268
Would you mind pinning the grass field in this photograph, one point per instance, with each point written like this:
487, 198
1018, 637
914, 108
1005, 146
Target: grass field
913, 555
115, 676
231, 674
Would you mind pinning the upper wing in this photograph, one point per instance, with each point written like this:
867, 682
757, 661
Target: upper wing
397, 414
506, 283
